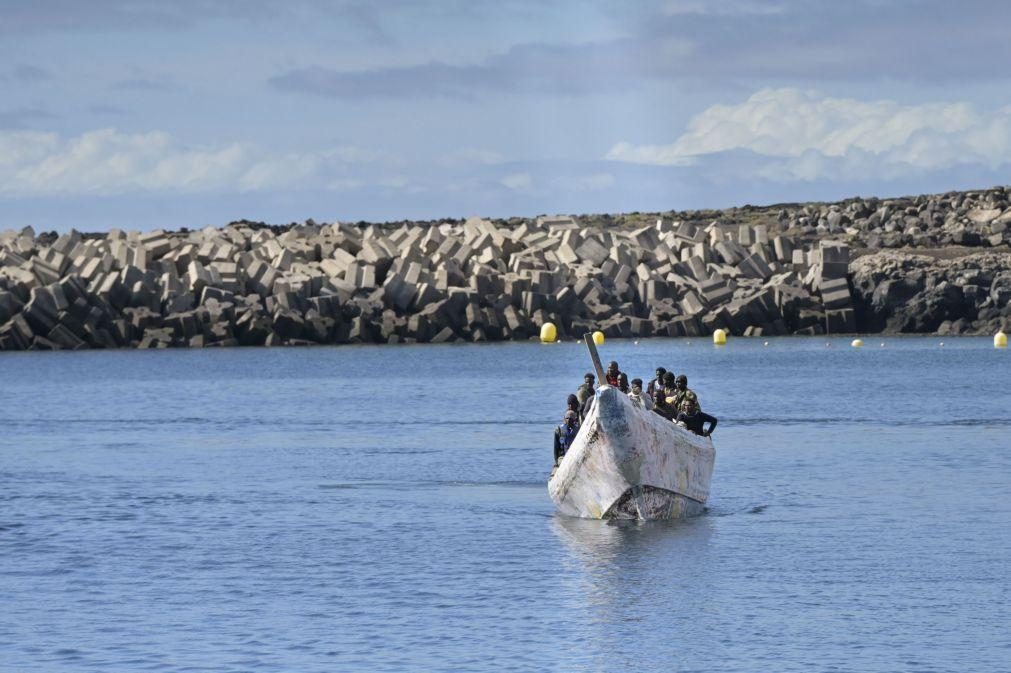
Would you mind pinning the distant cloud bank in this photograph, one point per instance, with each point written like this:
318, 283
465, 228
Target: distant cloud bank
806, 135
107, 162
779, 135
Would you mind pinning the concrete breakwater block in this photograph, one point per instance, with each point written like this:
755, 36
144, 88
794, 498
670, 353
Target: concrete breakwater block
790, 271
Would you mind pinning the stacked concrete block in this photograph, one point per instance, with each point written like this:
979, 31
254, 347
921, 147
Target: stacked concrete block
716, 290
155, 243
783, 248
755, 266
840, 316
592, 251
833, 258
745, 235
835, 294
474, 280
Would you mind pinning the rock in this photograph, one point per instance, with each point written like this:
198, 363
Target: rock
1000, 289
983, 215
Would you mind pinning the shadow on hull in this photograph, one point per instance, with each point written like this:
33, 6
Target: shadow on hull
651, 503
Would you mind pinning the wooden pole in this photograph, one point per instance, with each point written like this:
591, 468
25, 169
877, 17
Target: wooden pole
592, 347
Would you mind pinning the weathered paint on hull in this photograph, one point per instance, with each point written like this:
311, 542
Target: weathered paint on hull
648, 503
629, 463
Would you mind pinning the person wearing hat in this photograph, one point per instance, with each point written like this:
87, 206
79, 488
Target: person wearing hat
565, 434
572, 404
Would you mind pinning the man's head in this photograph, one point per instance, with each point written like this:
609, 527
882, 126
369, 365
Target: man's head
572, 402
636, 386
681, 383
612, 368
570, 418
588, 379
689, 406
660, 371
668, 379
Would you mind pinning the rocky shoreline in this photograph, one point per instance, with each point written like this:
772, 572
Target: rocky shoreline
925, 264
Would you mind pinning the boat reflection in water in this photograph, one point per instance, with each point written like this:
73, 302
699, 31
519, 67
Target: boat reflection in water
620, 546
655, 577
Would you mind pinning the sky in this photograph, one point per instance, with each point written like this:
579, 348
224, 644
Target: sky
140, 114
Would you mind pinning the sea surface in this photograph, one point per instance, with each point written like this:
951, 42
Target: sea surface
385, 509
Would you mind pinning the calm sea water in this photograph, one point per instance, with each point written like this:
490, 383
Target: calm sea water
385, 509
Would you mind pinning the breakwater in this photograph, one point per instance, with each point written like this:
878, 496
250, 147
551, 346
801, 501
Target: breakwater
789, 269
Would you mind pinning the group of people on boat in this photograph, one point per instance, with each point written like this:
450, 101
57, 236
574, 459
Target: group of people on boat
666, 394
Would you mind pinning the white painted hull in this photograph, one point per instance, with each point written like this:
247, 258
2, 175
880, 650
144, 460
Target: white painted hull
630, 463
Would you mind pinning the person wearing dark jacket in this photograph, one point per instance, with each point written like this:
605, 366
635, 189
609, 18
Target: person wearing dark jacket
693, 418
565, 434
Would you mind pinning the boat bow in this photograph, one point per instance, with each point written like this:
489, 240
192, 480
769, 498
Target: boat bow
628, 462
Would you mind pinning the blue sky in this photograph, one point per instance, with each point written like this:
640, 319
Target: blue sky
143, 114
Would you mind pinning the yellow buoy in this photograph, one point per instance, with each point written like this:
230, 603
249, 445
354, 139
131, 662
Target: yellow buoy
720, 337
549, 333
598, 337
1000, 339
857, 343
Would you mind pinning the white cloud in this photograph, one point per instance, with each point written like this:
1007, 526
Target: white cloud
651, 155
808, 135
518, 182
106, 161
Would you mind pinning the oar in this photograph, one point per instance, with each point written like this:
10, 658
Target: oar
592, 347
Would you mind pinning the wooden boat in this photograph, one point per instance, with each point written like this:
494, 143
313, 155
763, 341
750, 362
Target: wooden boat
630, 463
